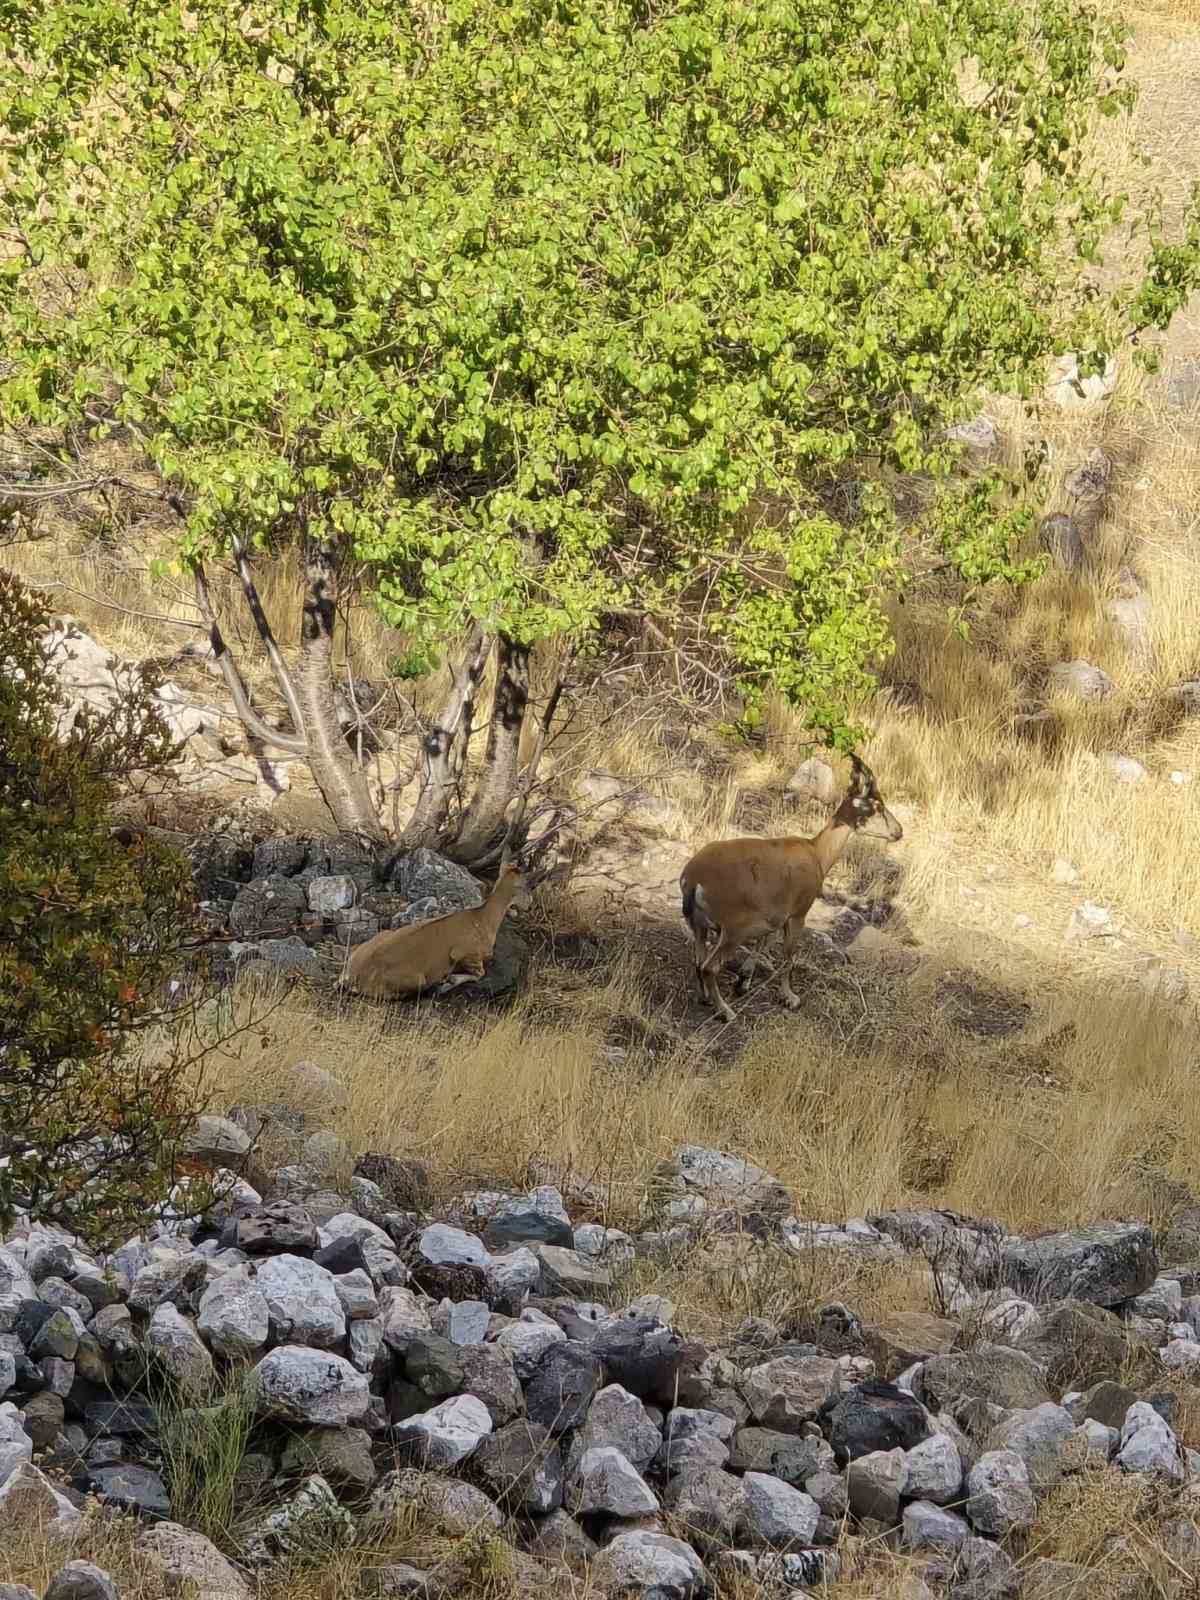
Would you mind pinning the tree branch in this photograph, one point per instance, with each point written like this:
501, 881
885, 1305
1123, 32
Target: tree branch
296, 744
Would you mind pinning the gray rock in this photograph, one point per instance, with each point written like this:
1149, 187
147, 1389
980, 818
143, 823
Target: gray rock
59, 1335
233, 1316
512, 1276
404, 1317
443, 1245
1000, 1497
302, 1301
299, 1384
356, 1295
447, 1434
16, 1447
619, 1419
489, 1374
649, 1566
185, 1563
335, 893
1098, 1443
81, 1580
1149, 1445
559, 1540
538, 1217
875, 1416
782, 1455
828, 1489
527, 1343
280, 1226
710, 1505
694, 1440
131, 1487
925, 1526
1124, 769
566, 1272
423, 874
726, 1181
270, 905
28, 1498
453, 1509
57, 1292
342, 1456
814, 779
522, 1466
174, 1345
1039, 1436
563, 1385
1061, 536
1104, 1264
875, 1484
778, 1516
605, 1482
1080, 679
786, 1393
993, 1373
178, 1276
935, 1470
397, 1579
468, 1322
366, 1348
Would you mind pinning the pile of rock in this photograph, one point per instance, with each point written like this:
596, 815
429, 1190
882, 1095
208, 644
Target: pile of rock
477, 1369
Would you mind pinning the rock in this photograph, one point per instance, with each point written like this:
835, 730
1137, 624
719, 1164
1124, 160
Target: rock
1080, 679
335, 893
783, 1455
873, 1417
185, 1563
1000, 1499
298, 1384
934, 1470
619, 1419
695, 1439
605, 1482
434, 1366
342, 1456
907, 1336
562, 1386
725, 1182
1105, 1402
1071, 391
308, 1524
131, 1488
302, 1302
875, 1484
423, 874
787, 1392
522, 1466
512, 1276
1097, 1443
447, 1434
468, 1322
489, 1374
278, 1227
649, 1566
16, 1447
446, 1246
559, 1540
538, 1217
1125, 769
991, 1372
1039, 1436
356, 1295
174, 1345
925, 1526
1045, 1579
396, 1580
778, 1516
814, 780
1009, 1320
1062, 537
1148, 1444
644, 1358
1103, 1264
59, 1335
266, 906
81, 1580
233, 1316
1090, 921
710, 1505
566, 1272
527, 1343
28, 1499
404, 1317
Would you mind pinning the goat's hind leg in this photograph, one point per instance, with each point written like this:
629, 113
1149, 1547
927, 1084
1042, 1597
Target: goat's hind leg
709, 972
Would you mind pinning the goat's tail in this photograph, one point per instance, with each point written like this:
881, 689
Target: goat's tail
689, 903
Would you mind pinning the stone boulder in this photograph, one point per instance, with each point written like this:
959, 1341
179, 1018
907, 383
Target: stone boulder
1103, 1264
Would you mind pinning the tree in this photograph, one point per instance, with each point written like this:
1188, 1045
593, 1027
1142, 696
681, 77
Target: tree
90, 1127
536, 312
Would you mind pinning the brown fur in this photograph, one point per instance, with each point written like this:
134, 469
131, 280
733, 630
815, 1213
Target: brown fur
744, 889
404, 961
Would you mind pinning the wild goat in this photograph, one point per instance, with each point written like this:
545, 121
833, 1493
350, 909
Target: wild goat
742, 889
403, 961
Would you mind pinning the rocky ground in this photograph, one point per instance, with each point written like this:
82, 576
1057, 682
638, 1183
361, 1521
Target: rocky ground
481, 1369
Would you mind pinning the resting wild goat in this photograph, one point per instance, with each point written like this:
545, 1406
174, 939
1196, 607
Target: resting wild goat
402, 961
742, 889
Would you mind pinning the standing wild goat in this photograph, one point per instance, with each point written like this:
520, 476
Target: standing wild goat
741, 889
404, 961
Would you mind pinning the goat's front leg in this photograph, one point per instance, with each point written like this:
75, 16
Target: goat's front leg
792, 930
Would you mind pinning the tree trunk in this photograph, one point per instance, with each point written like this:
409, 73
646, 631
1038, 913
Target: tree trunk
440, 776
498, 780
342, 782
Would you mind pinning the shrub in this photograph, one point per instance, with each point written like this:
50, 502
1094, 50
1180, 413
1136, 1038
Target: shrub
89, 929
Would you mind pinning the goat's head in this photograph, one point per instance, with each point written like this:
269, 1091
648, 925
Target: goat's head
865, 806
